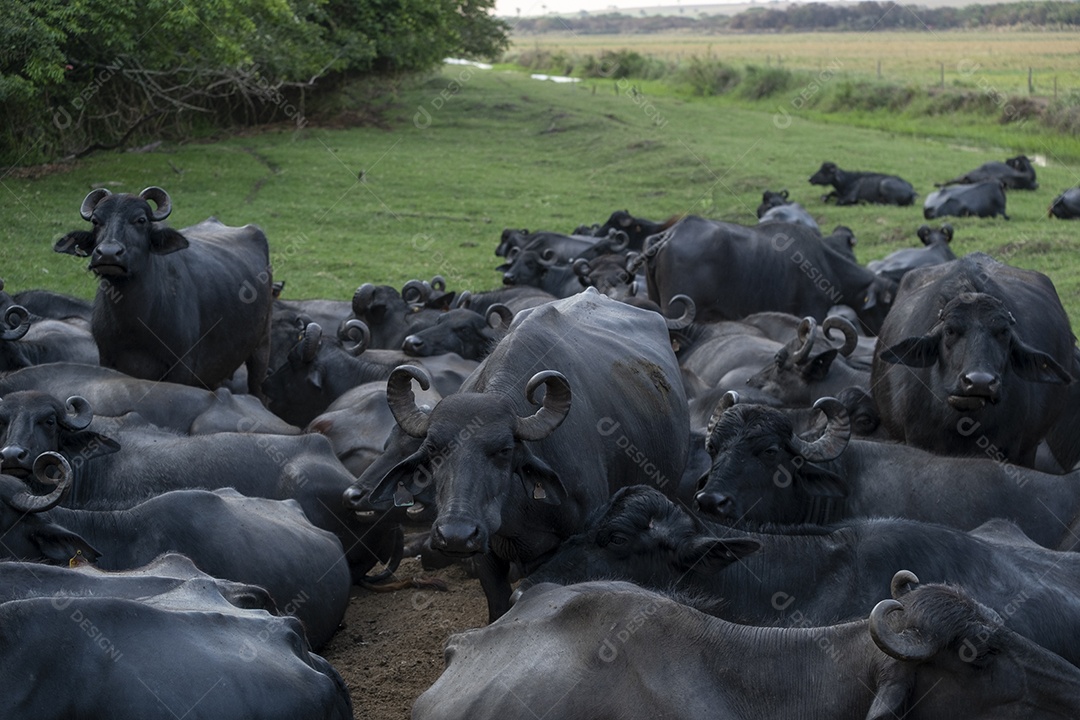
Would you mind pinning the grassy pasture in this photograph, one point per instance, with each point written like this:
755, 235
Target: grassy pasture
971, 59
468, 152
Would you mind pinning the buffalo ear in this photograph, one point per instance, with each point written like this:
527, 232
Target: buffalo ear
503, 268
914, 351
442, 302
166, 240
86, 445
60, 545
1036, 366
891, 695
818, 368
401, 483
540, 481
79, 243
715, 554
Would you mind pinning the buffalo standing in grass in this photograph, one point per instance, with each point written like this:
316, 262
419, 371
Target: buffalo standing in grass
187, 306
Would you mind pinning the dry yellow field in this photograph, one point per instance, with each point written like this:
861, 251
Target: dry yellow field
909, 57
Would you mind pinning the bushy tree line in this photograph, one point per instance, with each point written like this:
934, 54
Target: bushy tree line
861, 16
877, 16
77, 75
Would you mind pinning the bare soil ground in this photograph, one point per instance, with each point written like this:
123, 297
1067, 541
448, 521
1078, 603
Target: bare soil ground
390, 648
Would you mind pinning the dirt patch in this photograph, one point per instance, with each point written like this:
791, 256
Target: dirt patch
390, 648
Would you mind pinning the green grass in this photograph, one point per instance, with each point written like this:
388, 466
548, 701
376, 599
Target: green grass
346, 206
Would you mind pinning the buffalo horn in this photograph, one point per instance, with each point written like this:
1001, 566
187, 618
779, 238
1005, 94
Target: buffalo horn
729, 399
402, 401
499, 316
356, 332
582, 268
851, 335
25, 501
689, 312
17, 320
833, 440
901, 646
438, 283
362, 298
548, 257
79, 414
902, 583
161, 199
617, 241
416, 292
556, 406
462, 300
90, 202
805, 333
309, 345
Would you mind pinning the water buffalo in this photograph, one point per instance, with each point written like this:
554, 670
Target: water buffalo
25, 341
182, 408
167, 639
762, 472
318, 370
1017, 173
609, 275
984, 199
515, 297
464, 332
1066, 206
636, 229
607, 649
269, 543
973, 354
120, 463
805, 276
186, 306
390, 318
540, 269
808, 367
509, 482
852, 188
936, 250
775, 207
769, 577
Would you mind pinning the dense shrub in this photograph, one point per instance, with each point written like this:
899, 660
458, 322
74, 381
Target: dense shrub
80, 74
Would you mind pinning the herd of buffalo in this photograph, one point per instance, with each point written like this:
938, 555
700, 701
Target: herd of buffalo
700, 469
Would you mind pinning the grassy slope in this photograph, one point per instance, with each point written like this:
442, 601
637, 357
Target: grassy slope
509, 151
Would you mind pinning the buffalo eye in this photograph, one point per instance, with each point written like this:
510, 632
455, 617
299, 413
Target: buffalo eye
770, 454
49, 422
503, 453
950, 332
618, 538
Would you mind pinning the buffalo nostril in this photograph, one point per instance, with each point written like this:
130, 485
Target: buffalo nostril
412, 344
509, 279
353, 497
979, 382
713, 503
14, 452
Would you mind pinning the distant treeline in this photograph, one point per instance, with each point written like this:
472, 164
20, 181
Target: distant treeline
863, 17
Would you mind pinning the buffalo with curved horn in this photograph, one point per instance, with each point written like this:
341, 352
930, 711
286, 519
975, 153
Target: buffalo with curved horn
509, 482
186, 306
